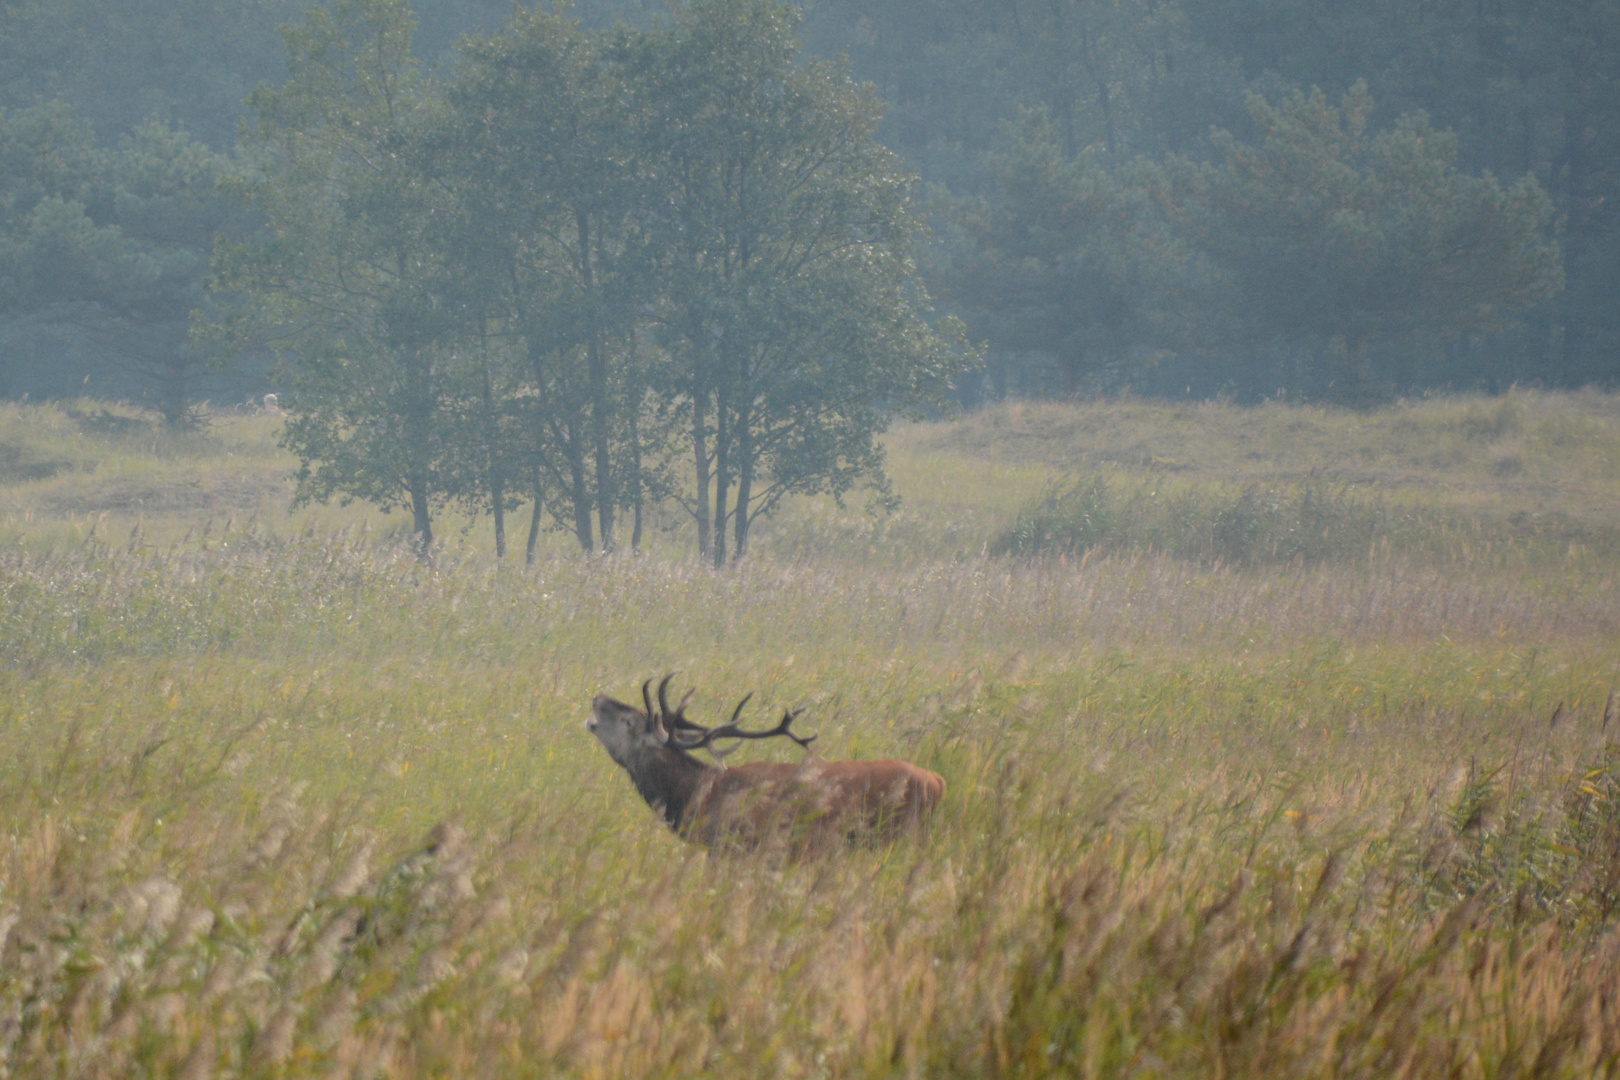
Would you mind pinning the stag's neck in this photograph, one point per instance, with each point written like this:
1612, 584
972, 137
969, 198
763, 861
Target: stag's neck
671, 781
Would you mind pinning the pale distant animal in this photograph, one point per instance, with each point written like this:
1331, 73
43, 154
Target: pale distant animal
804, 806
272, 404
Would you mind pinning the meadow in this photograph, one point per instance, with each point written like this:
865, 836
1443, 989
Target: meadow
1280, 741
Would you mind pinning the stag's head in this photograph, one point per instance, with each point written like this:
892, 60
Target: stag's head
629, 733
626, 731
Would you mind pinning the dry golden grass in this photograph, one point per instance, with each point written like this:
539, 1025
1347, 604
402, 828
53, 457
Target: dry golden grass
276, 804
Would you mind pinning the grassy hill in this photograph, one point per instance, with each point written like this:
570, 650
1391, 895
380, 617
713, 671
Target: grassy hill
1227, 795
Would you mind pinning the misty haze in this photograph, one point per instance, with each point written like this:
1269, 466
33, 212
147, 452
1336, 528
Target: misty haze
1071, 538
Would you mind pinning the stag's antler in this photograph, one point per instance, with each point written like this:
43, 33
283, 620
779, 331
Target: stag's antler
730, 730
672, 721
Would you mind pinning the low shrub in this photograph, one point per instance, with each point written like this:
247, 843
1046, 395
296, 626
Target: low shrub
1257, 525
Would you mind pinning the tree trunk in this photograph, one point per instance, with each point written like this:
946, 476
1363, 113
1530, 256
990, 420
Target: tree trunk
745, 483
497, 492
1070, 365
422, 523
1571, 182
534, 519
419, 407
700, 462
569, 436
1064, 107
596, 365
497, 480
599, 422
581, 495
1355, 361
1109, 133
722, 479
635, 472
172, 392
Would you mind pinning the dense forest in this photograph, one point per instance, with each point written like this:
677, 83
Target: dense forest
1180, 197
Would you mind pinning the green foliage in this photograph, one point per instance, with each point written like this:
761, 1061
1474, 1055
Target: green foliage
591, 239
53, 251
1326, 229
115, 241
1072, 260
543, 146
1255, 526
124, 63
342, 280
1516, 89
789, 300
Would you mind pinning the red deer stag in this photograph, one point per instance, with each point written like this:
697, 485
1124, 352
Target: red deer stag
807, 805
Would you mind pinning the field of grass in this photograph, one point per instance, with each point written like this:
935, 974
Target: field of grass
278, 800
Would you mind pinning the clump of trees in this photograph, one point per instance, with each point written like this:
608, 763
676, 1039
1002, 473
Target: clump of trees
567, 253
1317, 228
112, 241
1516, 89
1324, 228
587, 257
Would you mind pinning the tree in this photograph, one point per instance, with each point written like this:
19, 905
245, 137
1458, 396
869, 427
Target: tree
541, 147
165, 198
1323, 228
122, 63
592, 237
345, 282
114, 242
1071, 259
51, 250
788, 299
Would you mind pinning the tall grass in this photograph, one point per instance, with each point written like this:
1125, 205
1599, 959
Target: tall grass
1268, 524
289, 803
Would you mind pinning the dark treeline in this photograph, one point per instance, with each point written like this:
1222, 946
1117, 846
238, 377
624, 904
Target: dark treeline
1178, 196
1518, 88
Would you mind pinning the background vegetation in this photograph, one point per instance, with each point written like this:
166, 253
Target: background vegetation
281, 800
975, 97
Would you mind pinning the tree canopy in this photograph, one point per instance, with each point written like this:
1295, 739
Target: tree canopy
1324, 227
1103, 245
591, 247
113, 241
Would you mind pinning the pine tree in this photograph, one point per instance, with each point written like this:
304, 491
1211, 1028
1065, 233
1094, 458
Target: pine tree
1324, 228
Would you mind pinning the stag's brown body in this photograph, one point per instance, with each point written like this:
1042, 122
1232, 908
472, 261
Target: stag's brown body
806, 805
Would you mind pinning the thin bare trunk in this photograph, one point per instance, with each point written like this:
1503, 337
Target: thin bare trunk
1355, 360
745, 482
581, 495
497, 479
534, 519
172, 394
1070, 366
722, 479
1065, 111
417, 420
635, 471
422, 518
596, 364
497, 492
604, 462
700, 461
1109, 132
